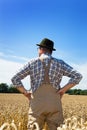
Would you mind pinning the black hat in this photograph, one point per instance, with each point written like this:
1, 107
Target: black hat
46, 43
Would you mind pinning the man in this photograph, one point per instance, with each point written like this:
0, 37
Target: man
46, 73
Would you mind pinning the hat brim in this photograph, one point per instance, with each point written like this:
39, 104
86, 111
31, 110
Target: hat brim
53, 49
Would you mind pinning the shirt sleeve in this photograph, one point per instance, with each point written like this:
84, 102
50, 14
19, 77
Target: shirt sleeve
24, 72
74, 75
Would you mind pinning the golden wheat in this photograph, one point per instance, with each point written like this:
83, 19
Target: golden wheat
14, 110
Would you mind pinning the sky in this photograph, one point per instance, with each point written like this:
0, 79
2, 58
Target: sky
25, 23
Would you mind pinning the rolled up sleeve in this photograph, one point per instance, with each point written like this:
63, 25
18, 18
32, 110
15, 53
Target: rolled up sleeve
74, 75
16, 79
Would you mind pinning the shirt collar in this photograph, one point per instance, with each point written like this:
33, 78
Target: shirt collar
45, 55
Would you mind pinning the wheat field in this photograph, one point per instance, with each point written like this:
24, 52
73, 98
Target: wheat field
14, 107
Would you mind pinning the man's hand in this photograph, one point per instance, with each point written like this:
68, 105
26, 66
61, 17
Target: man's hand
64, 89
27, 94
61, 92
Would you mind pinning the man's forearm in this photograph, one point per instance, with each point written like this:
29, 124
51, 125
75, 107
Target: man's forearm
22, 89
68, 86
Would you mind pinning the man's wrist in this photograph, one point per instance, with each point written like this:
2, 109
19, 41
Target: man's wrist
24, 92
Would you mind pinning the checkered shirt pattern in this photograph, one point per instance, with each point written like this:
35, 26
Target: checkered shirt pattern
58, 69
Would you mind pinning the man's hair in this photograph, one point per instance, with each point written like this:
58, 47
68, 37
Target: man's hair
47, 50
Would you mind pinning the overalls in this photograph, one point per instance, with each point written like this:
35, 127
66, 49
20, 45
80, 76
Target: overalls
45, 105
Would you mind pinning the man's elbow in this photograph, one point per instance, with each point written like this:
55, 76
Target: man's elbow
79, 78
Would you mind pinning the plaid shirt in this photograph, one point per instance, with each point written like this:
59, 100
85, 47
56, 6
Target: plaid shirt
58, 69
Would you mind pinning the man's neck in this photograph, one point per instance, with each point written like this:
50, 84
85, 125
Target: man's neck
44, 54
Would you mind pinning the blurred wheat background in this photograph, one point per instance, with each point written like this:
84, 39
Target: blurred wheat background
14, 109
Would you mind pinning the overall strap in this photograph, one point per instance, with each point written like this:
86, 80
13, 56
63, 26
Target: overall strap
46, 72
